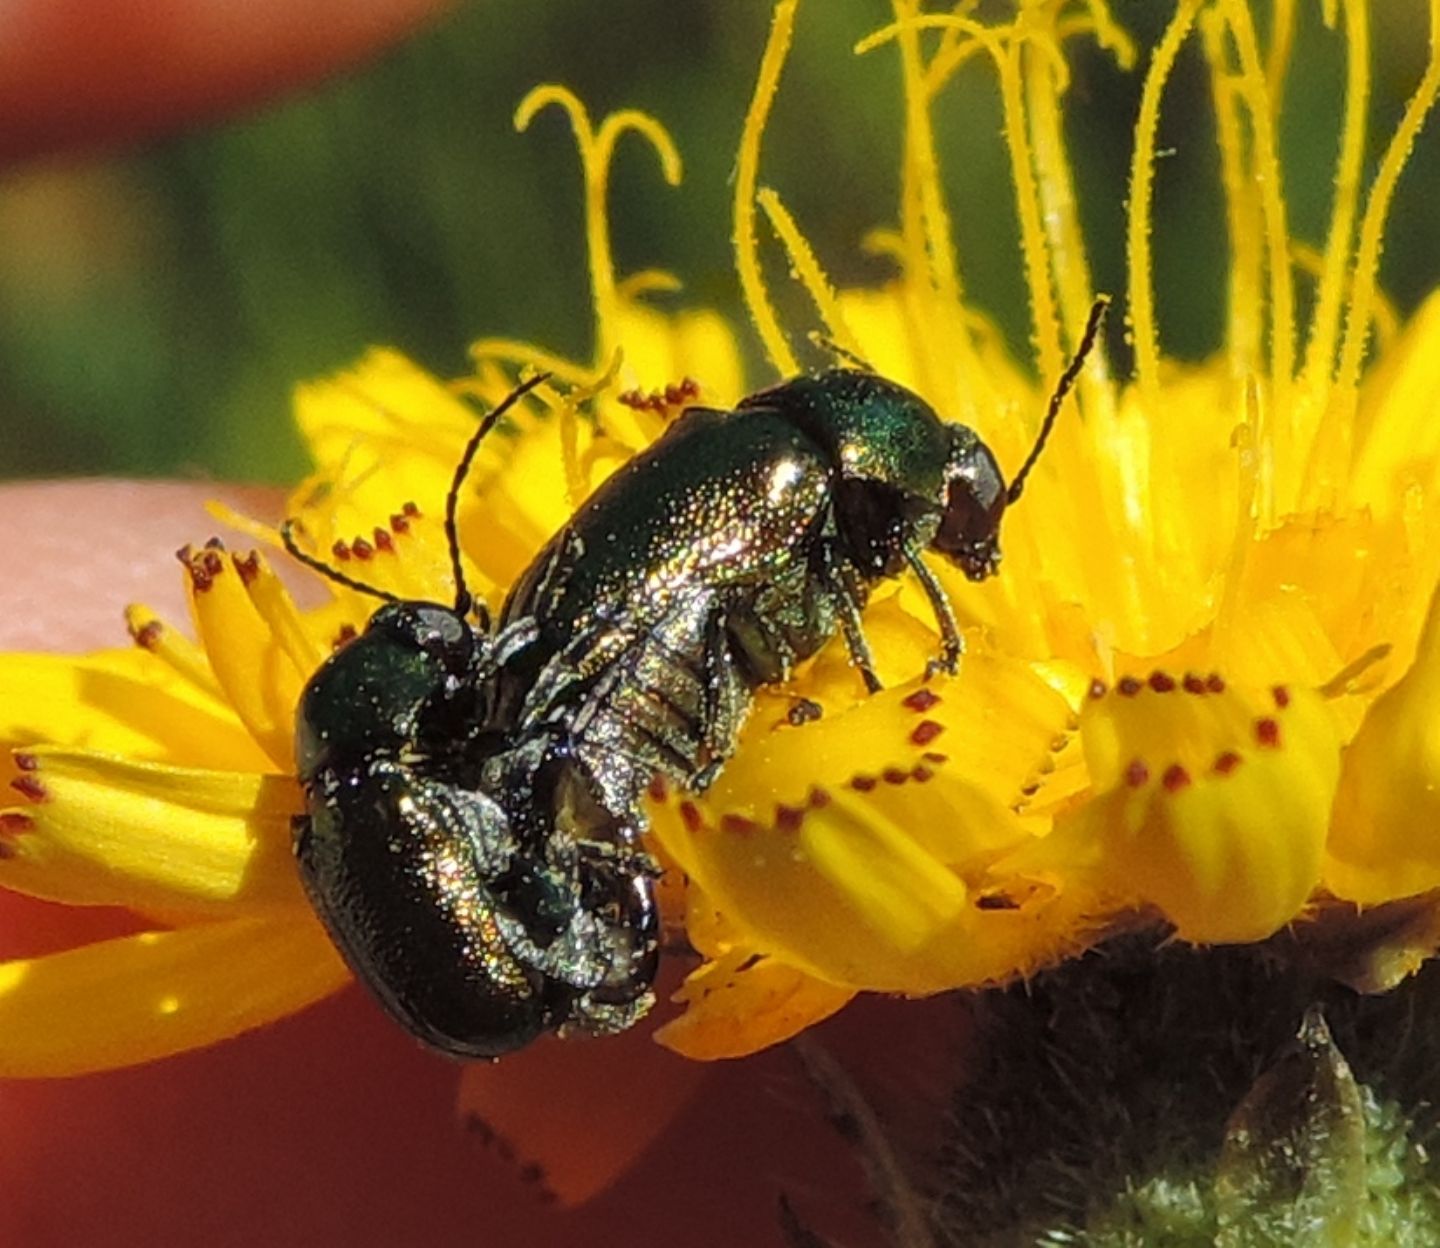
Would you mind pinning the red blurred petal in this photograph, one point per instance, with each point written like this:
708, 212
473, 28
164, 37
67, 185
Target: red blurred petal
76, 74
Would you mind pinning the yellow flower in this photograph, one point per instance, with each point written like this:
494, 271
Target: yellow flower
1198, 694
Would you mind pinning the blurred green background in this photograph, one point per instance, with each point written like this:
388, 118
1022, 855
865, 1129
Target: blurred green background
157, 306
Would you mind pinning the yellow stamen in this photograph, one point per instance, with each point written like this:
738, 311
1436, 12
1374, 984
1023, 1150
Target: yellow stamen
1377, 207
1109, 34
1244, 320
1027, 201
278, 611
1325, 326
807, 269
1384, 316
646, 281
747, 258
931, 260
174, 649
1142, 192
597, 149
1282, 36
1070, 264
1256, 93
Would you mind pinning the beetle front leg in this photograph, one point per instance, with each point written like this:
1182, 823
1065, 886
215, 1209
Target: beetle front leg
846, 599
952, 643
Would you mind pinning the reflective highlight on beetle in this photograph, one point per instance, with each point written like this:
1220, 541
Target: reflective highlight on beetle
475, 788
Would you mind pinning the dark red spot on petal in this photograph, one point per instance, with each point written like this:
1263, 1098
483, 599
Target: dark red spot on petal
788, 818
214, 543
1193, 683
737, 825
659, 789
921, 774
1136, 773
690, 817
1281, 695
383, 540
399, 523
1128, 686
15, 821
893, 775
1267, 732
1098, 688
345, 636
411, 510
1162, 682
934, 756
863, 784
362, 549
340, 550
1215, 683
1030, 789
1175, 778
926, 731
921, 700
1226, 763
31, 786
248, 566
818, 799
26, 762
148, 635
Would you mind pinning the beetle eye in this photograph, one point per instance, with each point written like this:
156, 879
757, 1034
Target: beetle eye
975, 500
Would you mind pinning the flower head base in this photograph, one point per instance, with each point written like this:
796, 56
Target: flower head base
1204, 707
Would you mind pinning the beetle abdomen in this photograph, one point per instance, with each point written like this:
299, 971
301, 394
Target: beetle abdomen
400, 873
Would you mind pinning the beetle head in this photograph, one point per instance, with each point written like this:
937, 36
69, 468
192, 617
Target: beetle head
976, 495
975, 500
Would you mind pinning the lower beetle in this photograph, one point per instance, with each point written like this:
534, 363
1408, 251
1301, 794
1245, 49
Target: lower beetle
440, 857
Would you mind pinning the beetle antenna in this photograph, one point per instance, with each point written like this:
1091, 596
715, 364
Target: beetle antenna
1067, 380
287, 539
464, 600
826, 343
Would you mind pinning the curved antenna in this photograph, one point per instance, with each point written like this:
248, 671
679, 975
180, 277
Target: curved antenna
826, 343
287, 539
1067, 380
464, 599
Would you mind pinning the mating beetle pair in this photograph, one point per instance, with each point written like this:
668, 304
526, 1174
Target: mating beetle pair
474, 789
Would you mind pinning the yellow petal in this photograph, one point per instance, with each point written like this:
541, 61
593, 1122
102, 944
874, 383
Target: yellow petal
995, 726
137, 998
108, 831
1396, 434
1213, 800
120, 701
1382, 844
745, 1002
256, 671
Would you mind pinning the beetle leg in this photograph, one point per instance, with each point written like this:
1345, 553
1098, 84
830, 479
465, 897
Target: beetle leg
952, 644
721, 715
847, 605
